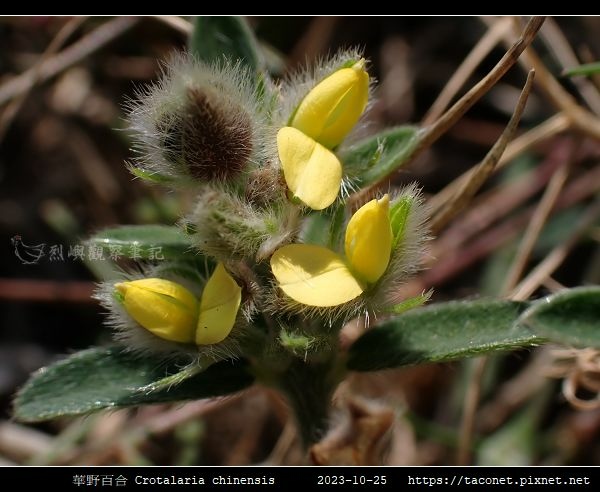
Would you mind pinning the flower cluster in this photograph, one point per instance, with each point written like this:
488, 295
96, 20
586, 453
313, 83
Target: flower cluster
264, 162
172, 312
323, 119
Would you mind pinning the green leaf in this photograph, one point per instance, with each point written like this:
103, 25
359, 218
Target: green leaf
325, 227
216, 37
587, 69
372, 159
399, 216
442, 332
410, 303
571, 317
111, 378
316, 228
336, 227
144, 241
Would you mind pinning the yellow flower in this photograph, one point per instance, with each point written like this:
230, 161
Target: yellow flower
219, 305
170, 311
316, 276
368, 243
165, 308
312, 172
332, 107
322, 120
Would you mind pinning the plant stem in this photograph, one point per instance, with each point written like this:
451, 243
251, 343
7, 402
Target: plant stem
308, 388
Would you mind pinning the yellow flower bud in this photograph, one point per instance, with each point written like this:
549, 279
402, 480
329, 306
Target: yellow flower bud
316, 276
332, 107
219, 305
170, 311
312, 172
369, 239
165, 308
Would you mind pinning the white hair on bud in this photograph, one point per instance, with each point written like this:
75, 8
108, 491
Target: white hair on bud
226, 90
407, 257
138, 339
295, 88
278, 303
228, 226
405, 261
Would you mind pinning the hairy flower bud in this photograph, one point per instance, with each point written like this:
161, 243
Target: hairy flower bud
216, 139
171, 312
229, 227
200, 121
333, 107
368, 244
165, 308
321, 121
316, 276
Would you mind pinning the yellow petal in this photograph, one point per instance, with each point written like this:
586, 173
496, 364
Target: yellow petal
165, 308
314, 275
369, 240
219, 305
332, 107
312, 173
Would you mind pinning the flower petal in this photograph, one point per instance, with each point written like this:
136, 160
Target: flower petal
312, 172
314, 275
219, 305
332, 107
369, 240
165, 308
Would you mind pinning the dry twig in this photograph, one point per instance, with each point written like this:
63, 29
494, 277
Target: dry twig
538, 221
490, 39
61, 38
76, 52
178, 23
486, 167
450, 117
555, 258
549, 128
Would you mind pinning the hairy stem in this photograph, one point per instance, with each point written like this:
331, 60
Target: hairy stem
308, 388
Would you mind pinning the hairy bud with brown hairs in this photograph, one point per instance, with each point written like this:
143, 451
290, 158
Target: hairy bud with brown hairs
216, 141
200, 122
